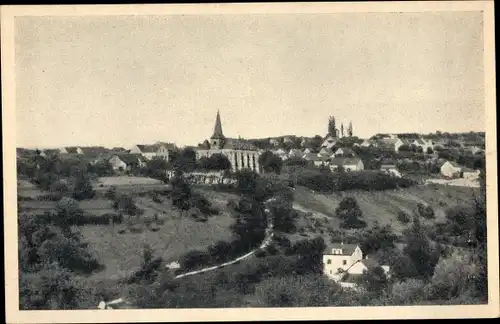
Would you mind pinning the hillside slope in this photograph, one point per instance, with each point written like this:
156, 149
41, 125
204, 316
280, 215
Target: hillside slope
384, 206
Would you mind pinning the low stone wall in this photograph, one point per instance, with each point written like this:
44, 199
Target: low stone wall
207, 178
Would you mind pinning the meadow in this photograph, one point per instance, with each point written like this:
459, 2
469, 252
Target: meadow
382, 207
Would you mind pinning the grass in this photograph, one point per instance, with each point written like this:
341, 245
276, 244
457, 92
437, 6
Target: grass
383, 206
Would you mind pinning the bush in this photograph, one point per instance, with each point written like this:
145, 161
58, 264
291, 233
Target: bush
403, 217
195, 259
426, 211
220, 251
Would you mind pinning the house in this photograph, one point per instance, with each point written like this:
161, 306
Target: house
344, 151
159, 150
424, 144
344, 261
280, 153
126, 162
329, 142
70, 150
365, 143
390, 169
93, 151
475, 149
347, 163
450, 169
339, 257
307, 151
391, 144
295, 153
470, 174
325, 152
274, 142
22, 153
49, 152
288, 140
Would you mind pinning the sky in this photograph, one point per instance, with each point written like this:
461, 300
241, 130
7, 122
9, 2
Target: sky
125, 80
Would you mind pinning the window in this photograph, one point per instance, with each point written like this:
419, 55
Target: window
330, 271
344, 262
329, 261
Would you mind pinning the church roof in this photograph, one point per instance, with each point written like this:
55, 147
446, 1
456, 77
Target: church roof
238, 144
218, 128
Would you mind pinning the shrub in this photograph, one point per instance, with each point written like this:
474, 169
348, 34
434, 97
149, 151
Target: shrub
425, 211
220, 251
403, 217
194, 259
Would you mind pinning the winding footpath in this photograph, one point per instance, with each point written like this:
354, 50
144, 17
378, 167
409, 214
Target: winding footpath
265, 243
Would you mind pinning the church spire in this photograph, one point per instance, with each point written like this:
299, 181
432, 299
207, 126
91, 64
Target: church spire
218, 128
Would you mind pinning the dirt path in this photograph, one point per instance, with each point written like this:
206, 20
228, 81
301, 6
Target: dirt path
267, 240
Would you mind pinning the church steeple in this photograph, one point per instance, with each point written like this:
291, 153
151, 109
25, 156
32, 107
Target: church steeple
218, 128
217, 139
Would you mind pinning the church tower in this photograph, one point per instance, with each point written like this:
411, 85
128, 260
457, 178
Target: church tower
217, 139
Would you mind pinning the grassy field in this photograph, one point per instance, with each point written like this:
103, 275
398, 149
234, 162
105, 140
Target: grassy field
383, 206
126, 180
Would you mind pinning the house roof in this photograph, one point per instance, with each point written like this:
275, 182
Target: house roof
71, 149
24, 152
340, 160
94, 150
346, 150
387, 166
370, 263
347, 249
144, 148
167, 145
311, 156
238, 144
118, 149
419, 141
50, 151
130, 158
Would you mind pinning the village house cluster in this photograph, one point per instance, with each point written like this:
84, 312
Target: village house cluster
244, 154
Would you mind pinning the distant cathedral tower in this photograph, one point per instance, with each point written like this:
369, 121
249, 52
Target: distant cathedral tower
217, 139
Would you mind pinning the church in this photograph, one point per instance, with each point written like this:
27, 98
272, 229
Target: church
241, 153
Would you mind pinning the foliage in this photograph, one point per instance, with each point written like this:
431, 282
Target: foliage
374, 280
425, 211
125, 204
215, 162
156, 168
378, 238
407, 292
270, 162
403, 217
311, 254
350, 214
185, 161
83, 187
193, 259
251, 222
420, 251
53, 287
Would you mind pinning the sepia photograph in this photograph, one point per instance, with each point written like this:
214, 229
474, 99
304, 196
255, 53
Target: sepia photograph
249, 161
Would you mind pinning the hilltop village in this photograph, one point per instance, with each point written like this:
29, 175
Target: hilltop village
326, 220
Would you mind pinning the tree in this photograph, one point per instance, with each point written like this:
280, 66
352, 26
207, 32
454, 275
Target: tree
67, 213
378, 238
250, 225
270, 162
220, 251
419, 250
181, 192
246, 182
156, 168
342, 130
83, 187
349, 129
350, 213
51, 288
218, 162
452, 276
430, 150
332, 129
374, 280
407, 292
194, 259
186, 160
311, 254
125, 204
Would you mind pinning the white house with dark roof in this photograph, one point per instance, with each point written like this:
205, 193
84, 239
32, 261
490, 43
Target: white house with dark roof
340, 256
344, 151
392, 144
347, 163
241, 153
450, 169
342, 262
329, 142
390, 168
